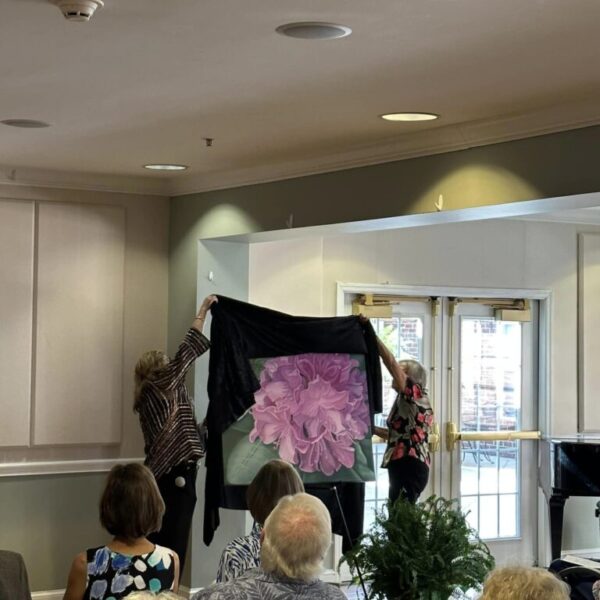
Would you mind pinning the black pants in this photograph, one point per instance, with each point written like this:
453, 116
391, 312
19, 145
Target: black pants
179, 504
408, 476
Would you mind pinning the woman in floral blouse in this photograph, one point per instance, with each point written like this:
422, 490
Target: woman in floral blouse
408, 425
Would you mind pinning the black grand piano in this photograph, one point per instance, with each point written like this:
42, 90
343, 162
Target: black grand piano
567, 468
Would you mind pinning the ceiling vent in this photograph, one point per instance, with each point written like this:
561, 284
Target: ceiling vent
78, 10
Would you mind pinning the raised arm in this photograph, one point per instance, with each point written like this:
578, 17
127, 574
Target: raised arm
194, 344
391, 364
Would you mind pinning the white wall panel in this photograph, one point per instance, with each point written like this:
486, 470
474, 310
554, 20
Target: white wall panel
16, 298
589, 332
79, 325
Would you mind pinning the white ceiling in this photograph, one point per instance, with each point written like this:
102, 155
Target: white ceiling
146, 80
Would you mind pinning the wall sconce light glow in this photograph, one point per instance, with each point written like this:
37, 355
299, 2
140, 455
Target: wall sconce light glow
410, 116
165, 167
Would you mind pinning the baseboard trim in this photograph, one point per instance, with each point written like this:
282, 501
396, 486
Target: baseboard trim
184, 592
48, 595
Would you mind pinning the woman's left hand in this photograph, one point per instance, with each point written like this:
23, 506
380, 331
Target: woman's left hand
206, 304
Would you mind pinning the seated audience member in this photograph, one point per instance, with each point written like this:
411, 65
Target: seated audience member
524, 583
275, 480
130, 508
14, 584
295, 539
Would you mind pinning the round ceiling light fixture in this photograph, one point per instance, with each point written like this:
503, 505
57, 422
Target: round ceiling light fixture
165, 167
314, 30
409, 117
25, 123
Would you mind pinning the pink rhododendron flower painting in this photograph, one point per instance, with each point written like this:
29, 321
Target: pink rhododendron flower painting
313, 409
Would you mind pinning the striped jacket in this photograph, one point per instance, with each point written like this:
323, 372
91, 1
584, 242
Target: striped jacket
166, 411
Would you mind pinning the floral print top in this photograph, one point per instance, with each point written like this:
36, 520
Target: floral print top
112, 576
409, 424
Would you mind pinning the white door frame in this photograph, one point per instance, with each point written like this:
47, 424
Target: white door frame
345, 291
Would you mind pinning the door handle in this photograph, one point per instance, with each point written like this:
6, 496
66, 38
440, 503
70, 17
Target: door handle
453, 435
434, 438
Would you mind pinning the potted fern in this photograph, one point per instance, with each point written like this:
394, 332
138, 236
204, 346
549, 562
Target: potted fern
423, 551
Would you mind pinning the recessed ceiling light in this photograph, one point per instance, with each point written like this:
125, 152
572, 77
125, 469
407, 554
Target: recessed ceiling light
160, 167
410, 116
314, 30
25, 123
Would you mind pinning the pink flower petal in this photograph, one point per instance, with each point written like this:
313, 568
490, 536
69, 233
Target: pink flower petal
313, 407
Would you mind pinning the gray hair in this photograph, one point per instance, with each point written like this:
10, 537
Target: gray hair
297, 535
415, 371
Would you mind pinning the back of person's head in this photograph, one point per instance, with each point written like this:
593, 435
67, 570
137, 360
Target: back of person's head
151, 596
131, 505
414, 370
524, 583
146, 369
275, 480
297, 535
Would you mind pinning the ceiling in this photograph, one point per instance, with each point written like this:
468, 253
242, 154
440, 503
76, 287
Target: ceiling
145, 80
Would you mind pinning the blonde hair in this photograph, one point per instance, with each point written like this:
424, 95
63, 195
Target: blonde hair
297, 535
146, 369
524, 583
273, 481
415, 371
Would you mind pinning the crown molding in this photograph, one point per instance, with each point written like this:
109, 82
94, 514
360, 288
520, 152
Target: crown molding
438, 140
95, 182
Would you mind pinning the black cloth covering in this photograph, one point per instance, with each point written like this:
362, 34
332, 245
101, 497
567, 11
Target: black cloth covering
242, 331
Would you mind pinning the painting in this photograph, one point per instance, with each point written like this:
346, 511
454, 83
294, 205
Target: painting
311, 410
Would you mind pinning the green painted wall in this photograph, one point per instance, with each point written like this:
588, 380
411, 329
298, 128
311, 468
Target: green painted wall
49, 520
535, 168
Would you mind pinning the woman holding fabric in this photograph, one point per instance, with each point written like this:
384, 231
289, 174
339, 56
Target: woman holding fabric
408, 426
174, 442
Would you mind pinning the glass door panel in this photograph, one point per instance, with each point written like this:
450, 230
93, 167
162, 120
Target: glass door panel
493, 391
407, 334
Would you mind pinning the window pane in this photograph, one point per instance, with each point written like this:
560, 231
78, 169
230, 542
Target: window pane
490, 400
488, 517
508, 515
488, 468
508, 467
470, 506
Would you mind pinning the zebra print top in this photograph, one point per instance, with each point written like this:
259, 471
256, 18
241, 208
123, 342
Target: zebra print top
166, 411
240, 555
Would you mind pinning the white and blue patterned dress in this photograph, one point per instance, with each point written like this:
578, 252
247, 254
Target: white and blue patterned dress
112, 575
240, 555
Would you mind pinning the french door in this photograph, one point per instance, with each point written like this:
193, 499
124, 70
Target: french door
482, 384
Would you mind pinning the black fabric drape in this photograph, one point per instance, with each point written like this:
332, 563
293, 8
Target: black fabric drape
242, 331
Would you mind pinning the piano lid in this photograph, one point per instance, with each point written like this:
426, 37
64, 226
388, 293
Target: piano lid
570, 467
